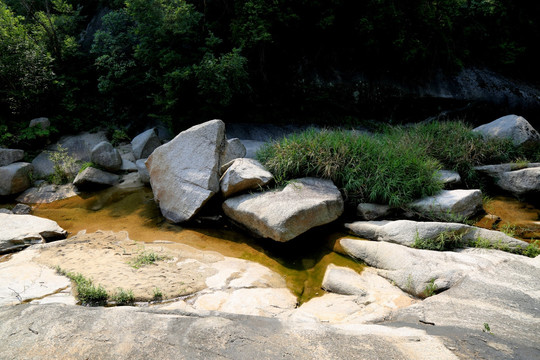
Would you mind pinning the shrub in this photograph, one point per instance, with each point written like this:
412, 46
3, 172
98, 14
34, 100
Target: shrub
123, 297
64, 165
447, 240
87, 292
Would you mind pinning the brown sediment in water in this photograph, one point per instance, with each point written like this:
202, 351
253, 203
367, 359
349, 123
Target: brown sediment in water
521, 218
302, 263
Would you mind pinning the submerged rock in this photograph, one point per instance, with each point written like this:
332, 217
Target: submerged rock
184, 173
20, 231
283, 215
244, 174
450, 204
512, 127
15, 178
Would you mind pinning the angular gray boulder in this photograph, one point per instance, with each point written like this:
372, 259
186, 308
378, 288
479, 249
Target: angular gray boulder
9, 156
520, 182
20, 231
449, 178
42, 122
15, 178
369, 211
234, 149
406, 232
450, 204
144, 175
144, 144
512, 127
284, 214
94, 178
184, 173
244, 174
106, 156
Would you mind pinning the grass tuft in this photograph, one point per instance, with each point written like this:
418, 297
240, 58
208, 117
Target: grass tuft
146, 258
87, 292
446, 240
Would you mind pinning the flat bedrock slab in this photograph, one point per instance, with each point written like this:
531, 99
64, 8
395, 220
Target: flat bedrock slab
9, 156
20, 231
184, 173
283, 215
15, 178
513, 127
244, 174
449, 204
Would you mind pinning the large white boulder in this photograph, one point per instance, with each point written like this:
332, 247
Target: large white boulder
9, 156
283, 215
184, 173
145, 143
244, 174
106, 156
15, 178
20, 231
450, 204
512, 127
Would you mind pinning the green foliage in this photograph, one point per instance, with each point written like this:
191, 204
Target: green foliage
87, 292
146, 258
119, 136
123, 297
63, 164
158, 295
446, 240
533, 249
366, 168
430, 289
5, 136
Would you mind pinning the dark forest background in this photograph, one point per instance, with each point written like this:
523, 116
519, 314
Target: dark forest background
121, 64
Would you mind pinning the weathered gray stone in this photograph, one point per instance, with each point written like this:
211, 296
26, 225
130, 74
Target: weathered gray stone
5, 211
9, 156
512, 127
126, 152
106, 156
144, 144
47, 194
495, 170
367, 211
233, 149
21, 209
43, 122
450, 204
344, 281
143, 171
184, 172
94, 178
79, 147
128, 166
283, 215
449, 178
244, 174
15, 178
20, 231
406, 232
520, 182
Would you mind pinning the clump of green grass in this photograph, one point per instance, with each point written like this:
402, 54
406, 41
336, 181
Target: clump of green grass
146, 258
87, 292
446, 240
158, 295
533, 249
430, 289
123, 297
365, 168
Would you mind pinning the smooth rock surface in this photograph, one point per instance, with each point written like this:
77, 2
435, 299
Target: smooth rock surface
184, 173
233, 149
368, 211
144, 144
46, 194
244, 174
283, 215
79, 147
511, 127
20, 231
15, 178
106, 156
406, 232
495, 170
450, 204
9, 156
449, 178
94, 178
128, 166
520, 182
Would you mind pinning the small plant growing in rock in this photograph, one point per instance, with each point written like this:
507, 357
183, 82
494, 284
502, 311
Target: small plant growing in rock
123, 297
487, 329
446, 240
87, 292
146, 258
158, 295
63, 165
430, 289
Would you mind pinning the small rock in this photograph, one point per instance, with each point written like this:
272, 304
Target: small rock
367, 211
9, 156
234, 149
512, 127
244, 174
94, 178
283, 215
145, 143
143, 171
46, 194
344, 281
43, 122
128, 166
5, 211
15, 178
450, 204
106, 156
21, 209
449, 178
